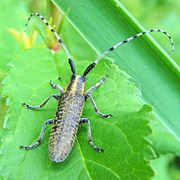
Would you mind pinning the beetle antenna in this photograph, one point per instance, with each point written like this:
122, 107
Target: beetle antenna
91, 66
58, 38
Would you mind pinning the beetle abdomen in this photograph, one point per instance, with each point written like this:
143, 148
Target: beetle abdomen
63, 133
61, 141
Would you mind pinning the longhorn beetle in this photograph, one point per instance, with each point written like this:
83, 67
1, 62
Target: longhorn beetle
71, 102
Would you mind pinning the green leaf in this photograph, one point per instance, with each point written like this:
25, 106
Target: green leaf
126, 152
104, 23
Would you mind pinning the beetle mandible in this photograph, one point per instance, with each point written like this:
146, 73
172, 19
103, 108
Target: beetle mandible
71, 102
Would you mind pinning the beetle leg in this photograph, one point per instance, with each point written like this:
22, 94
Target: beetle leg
42, 104
99, 83
60, 89
96, 108
39, 141
85, 120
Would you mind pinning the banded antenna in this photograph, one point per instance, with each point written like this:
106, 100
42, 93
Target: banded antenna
58, 38
92, 65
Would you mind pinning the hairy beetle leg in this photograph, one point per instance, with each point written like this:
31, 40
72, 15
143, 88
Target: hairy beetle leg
98, 84
55, 96
56, 87
96, 108
39, 141
98, 149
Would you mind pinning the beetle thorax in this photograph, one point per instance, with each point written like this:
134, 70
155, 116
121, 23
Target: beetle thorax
76, 84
